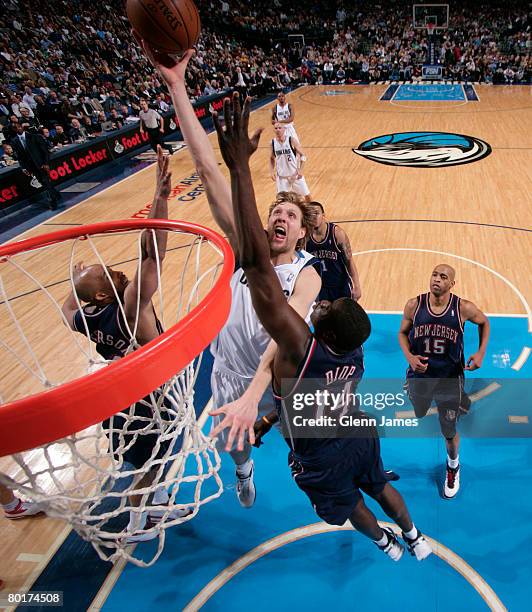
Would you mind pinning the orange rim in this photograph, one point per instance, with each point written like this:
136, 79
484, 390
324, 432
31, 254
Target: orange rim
55, 413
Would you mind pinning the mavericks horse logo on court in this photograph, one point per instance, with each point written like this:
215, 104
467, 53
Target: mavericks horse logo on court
424, 149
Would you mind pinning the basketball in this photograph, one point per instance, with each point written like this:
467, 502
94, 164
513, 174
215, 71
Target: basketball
170, 26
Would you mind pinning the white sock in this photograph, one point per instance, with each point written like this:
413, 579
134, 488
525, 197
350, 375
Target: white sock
12, 505
412, 534
383, 540
160, 496
244, 469
136, 521
453, 463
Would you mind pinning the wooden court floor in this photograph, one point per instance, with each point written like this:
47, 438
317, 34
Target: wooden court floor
401, 221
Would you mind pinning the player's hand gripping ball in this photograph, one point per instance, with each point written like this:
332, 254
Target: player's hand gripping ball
168, 26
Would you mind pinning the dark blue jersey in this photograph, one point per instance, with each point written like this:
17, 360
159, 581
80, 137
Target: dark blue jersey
335, 273
107, 329
329, 372
440, 337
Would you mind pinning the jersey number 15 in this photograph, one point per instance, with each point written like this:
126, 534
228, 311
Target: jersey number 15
437, 344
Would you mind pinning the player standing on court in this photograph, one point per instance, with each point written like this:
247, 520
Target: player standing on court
99, 287
432, 339
283, 113
330, 244
330, 470
243, 351
286, 163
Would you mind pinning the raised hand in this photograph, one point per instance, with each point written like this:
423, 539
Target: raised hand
171, 68
164, 178
235, 144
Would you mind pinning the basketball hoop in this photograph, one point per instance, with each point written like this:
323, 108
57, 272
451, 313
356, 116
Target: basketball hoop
61, 454
430, 29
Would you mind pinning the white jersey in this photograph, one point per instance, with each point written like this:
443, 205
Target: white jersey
242, 341
282, 113
285, 157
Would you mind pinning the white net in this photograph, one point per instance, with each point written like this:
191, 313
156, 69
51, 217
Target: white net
148, 467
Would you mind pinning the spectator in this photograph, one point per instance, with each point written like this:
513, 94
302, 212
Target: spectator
60, 139
7, 157
328, 71
88, 126
127, 114
160, 104
33, 155
77, 133
116, 119
45, 133
4, 109
32, 122
11, 128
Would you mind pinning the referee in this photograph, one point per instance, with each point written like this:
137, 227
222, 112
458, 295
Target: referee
152, 122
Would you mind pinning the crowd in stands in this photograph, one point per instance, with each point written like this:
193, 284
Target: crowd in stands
72, 70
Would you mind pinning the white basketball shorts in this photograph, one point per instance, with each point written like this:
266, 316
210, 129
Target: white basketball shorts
227, 387
299, 186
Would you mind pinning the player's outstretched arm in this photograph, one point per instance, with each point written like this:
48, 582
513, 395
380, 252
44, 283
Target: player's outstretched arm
281, 321
153, 245
471, 312
216, 185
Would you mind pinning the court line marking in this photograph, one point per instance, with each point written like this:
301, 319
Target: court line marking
429, 108
451, 558
520, 361
474, 397
414, 112
30, 558
461, 257
43, 562
520, 420
510, 227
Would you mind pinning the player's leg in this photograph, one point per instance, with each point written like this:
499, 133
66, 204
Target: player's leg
374, 483
139, 449
448, 400
227, 388
291, 132
420, 392
282, 184
15, 508
300, 186
363, 520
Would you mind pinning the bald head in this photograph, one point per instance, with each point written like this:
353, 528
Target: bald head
92, 283
442, 280
446, 269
